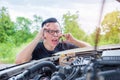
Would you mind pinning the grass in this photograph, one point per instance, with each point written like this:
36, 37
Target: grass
9, 51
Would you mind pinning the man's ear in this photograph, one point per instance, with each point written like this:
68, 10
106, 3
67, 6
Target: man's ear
44, 36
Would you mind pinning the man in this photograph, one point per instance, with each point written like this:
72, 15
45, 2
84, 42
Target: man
47, 42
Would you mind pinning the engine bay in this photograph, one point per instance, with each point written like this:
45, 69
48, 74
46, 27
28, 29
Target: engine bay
103, 64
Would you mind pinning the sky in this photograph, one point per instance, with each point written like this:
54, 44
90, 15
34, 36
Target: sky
88, 10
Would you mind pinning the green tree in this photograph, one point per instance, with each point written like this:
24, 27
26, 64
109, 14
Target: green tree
23, 32
111, 27
70, 23
7, 31
7, 28
37, 22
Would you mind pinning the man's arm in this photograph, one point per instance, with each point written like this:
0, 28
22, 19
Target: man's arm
26, 54
76, 42
80, 43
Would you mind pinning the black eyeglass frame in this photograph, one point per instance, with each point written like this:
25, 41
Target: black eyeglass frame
52, 32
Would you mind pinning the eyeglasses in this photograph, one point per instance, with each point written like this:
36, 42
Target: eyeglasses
52, 32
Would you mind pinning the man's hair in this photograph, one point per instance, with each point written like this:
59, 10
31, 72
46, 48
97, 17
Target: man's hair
48, 21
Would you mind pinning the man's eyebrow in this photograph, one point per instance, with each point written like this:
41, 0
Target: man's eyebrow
46, 29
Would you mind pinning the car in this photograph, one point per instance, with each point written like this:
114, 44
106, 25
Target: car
89, 63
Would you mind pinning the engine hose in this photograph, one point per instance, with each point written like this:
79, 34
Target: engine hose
73, 74
73, 71
36, 68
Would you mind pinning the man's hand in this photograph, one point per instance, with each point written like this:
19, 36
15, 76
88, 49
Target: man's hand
40, 34
68, 37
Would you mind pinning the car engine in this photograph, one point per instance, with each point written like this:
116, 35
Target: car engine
103, 64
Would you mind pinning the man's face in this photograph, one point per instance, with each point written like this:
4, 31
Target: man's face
52, 33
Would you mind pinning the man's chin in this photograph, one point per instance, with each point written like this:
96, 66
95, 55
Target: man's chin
54, 44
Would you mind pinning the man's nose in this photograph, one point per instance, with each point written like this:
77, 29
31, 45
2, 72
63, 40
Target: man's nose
55, 34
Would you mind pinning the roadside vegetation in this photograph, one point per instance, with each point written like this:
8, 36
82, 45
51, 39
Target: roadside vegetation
14, 36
